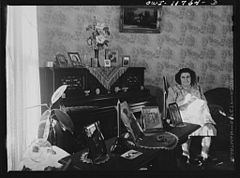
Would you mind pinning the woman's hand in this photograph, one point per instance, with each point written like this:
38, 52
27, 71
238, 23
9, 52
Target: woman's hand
184, 106
193, 98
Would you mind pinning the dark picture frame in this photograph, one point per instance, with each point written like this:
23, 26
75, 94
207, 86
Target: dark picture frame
75, 59
140, 19
112, 55
175, 115
95, 140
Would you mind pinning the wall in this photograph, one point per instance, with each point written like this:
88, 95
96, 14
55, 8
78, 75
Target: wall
199, 37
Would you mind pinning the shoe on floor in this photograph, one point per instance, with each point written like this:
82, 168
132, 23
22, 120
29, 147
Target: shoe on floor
201, 162
184, 159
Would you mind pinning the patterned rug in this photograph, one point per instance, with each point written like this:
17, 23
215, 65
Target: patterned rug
107, 76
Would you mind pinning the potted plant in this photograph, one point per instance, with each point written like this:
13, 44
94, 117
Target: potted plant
54, 121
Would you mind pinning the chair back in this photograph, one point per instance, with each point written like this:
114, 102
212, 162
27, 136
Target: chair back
165, 95
221, 97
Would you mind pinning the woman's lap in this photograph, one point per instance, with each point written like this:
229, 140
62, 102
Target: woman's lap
206, 130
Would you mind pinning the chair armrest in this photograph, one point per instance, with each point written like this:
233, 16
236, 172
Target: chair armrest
215, 110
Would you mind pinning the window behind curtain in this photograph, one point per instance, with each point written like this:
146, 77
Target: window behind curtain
22, 77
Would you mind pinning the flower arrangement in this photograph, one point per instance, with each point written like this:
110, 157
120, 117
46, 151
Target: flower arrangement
99, 36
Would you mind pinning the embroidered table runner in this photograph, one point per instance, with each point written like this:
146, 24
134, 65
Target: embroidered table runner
107, 76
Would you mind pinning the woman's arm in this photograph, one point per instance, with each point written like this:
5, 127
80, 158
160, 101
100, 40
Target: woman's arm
174, 96
201, 93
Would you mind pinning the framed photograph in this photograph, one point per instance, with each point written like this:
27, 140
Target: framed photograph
112, 55
151, 118
95, 140
125, 61
140, 19
175, 115
107, 63
61, 61
75, 59
130, 121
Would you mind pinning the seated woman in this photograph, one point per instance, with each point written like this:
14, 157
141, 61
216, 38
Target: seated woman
193, 109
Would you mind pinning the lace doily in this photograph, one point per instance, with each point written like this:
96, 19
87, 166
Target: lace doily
165, 140
40, 155
84, 158
107, 75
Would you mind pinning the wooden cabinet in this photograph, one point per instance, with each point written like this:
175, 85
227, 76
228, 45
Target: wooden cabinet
80, 79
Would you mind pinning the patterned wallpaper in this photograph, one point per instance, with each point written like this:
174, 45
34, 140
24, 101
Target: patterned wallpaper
199, 37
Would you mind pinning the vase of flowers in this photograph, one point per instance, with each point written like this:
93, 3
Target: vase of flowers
98, 38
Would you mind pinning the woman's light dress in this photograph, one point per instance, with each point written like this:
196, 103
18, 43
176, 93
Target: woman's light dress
195, 109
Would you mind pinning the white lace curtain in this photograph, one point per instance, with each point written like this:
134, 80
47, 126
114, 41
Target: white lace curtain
23, 85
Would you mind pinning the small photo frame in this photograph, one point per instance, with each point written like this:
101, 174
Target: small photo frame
125, 61
61, 61
175, 115
95, 140
151, 118
107, 63
112, 55
75, 59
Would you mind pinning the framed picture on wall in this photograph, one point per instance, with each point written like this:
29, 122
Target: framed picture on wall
125, 61
140, 19
75, 59
112, 55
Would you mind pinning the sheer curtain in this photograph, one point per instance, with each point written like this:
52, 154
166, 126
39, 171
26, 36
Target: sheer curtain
23, 85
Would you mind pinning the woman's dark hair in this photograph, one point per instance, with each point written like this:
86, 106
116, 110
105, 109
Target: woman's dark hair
186, 70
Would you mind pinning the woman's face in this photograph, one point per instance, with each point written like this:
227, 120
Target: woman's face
185, 79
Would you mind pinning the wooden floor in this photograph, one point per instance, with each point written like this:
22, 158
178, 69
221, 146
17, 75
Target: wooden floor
219, 152
221, 161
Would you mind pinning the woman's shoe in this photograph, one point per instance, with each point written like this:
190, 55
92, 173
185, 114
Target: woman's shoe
203, 163
184, 159
195, 162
